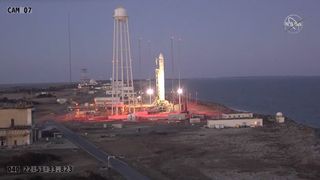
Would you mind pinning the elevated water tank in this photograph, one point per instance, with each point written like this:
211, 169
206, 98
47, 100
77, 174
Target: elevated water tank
120, 13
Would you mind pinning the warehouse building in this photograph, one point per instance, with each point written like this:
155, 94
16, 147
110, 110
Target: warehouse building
235, 120
237, 115
15, 126
105, 101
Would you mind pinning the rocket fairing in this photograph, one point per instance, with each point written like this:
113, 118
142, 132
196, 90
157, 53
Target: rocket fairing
160, 78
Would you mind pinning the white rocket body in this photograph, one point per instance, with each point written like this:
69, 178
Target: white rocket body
160, 77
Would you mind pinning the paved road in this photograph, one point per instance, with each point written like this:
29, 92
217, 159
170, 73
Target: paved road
119, 166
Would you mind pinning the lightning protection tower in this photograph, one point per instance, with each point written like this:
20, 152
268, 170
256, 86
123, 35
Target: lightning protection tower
122, 80
84, 76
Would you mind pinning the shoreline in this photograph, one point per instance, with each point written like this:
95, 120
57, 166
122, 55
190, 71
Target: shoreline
165, 151
209, 103
308, 119
56, 87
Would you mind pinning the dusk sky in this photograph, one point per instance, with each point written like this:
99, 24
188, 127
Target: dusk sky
219, 38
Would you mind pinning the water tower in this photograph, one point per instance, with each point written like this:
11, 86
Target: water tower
122, 80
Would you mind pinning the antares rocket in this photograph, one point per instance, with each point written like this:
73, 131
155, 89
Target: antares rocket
160, 78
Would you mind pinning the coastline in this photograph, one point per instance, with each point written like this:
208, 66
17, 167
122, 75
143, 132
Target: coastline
165, 151
53, 87
263, 115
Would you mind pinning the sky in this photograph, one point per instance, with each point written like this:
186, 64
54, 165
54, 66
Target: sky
212, 38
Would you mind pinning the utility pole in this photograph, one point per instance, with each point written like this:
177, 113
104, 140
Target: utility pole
196, 97
140, 72
172, 69
69, 41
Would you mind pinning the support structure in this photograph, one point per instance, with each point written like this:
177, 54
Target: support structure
84, 76
122, 80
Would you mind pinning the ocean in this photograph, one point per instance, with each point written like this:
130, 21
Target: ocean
297, 97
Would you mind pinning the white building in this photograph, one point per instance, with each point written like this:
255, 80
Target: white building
15, 126
254, 122
177, 117
106, 101
235, 120
237, 115
194, 120
279, 117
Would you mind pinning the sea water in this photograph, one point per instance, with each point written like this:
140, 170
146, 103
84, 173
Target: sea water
297, 97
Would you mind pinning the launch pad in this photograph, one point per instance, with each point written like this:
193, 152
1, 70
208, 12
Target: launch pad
123, 100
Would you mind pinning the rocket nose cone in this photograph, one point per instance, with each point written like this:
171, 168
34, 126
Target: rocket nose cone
160, 56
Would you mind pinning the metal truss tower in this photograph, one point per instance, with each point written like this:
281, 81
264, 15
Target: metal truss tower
122, 80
